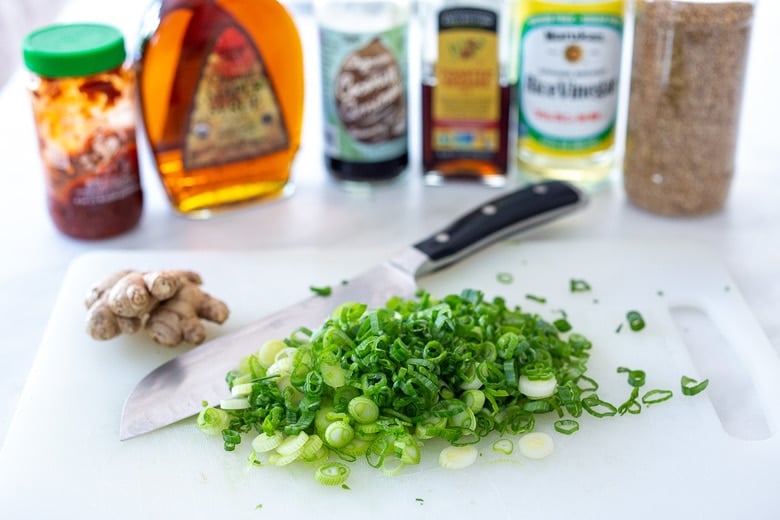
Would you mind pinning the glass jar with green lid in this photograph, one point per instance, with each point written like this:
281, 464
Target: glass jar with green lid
83, 99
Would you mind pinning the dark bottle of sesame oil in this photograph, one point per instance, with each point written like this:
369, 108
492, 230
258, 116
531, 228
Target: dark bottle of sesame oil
364, 75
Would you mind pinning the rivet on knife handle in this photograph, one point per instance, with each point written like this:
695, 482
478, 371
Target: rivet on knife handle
497, 219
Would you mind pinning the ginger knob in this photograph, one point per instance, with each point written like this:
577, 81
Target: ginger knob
168, 305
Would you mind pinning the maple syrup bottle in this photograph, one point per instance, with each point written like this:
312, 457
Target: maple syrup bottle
221, 92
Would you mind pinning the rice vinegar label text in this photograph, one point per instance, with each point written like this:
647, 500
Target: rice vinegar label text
235, 113
569, 76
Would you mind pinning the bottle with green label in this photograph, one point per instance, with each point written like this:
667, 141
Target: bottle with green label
363, 45
569, 74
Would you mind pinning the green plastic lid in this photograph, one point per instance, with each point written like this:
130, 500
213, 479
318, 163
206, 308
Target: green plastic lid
60, 51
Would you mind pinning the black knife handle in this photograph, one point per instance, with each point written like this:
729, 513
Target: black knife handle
499, 218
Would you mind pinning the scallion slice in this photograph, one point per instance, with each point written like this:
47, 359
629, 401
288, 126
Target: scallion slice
691, 386
264, 442
363, 409
566, 426
504, 446
505, 278
321, 291
598, 408
458, 457
536, 445
576, 285
656, 396
338, 434
635, 321
236, 403
292, 444
537, 389
332, 474
213, 420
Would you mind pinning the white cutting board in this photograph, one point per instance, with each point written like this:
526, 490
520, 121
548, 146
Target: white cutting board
715, 455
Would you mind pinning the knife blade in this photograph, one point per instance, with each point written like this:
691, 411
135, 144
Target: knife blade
176, 389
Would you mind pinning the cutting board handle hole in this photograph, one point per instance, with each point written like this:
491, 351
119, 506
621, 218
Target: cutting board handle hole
731, 388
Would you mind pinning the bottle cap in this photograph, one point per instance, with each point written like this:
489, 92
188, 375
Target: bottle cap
59, 51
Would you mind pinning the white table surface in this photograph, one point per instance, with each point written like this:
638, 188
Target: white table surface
34, 256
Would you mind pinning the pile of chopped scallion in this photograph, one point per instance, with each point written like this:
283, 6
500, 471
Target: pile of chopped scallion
376, 383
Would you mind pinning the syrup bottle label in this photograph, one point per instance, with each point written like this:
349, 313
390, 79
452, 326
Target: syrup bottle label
466, 99
235, 114
364, 94
569, 74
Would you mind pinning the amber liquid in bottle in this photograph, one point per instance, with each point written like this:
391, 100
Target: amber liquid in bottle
486, 167
466, 93
221, 90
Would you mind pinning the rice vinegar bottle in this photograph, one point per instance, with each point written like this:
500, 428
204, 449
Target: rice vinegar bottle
569, 74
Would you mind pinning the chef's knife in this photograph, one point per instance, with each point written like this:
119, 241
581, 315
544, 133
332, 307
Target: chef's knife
177, 389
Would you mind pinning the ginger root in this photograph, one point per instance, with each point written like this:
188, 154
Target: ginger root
169, 305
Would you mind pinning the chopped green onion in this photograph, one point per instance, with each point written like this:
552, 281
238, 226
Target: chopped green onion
656, 396
591, 386
264, 442
578, 285
534, 298
504, 446
562, 325
474, 399
377, 383
692, 387
292, 444
566, 426
241, 390
321, 291
234, 404
631, 406
311, 449
458, 457
598, 408
363, 409
231, 439
537, 389
338, 434
505, 278
277, 459
332, 474
268, 351
635, 321
213, 420
636, 378
536, 445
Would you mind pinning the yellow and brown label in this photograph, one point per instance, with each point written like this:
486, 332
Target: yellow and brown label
466, 99
235, 114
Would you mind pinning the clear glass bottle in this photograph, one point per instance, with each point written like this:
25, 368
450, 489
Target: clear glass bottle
687, 80
364, 61
221, 91
570, 57
468, 84
83, 99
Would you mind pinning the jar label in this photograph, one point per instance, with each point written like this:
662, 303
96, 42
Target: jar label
364, 94
235, 113
569, 74
466, 97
